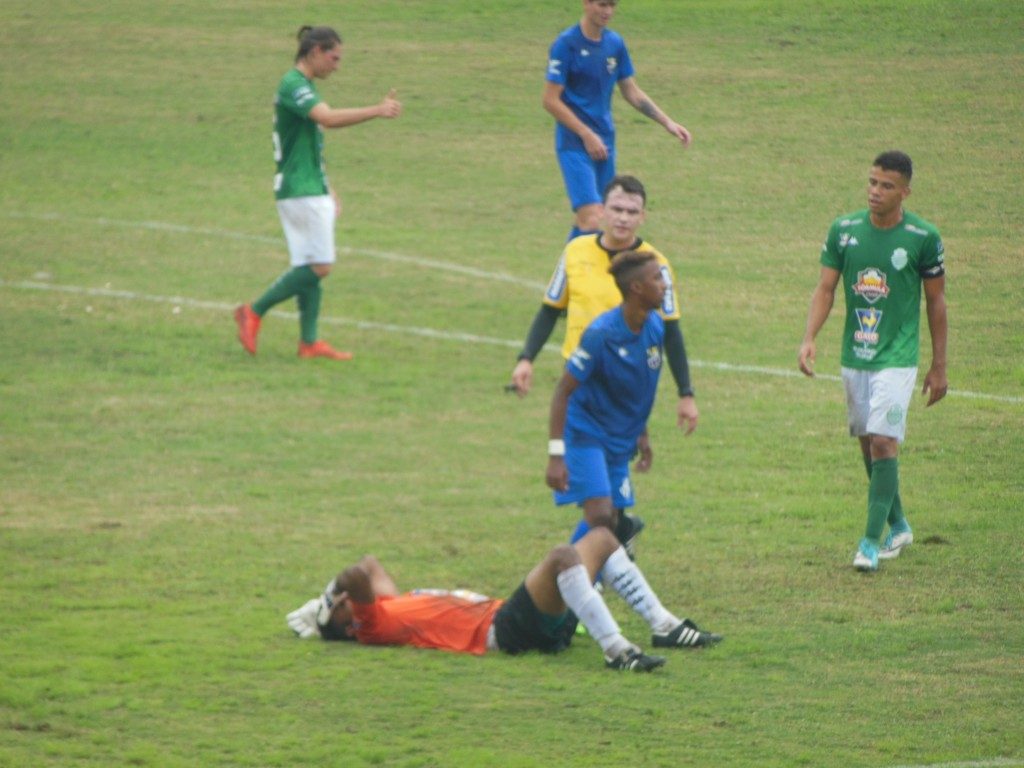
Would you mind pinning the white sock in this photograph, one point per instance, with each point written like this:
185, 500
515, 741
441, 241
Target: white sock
622, 575
581, 597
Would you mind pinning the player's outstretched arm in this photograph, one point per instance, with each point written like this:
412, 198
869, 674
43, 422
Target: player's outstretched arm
388, 108
645, 105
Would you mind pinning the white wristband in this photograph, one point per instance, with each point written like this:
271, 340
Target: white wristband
556, 447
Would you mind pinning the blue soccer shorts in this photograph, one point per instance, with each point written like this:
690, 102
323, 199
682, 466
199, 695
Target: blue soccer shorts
593, 475
585, 179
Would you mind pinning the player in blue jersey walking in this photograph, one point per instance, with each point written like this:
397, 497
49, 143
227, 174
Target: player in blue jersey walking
599, 411
585, 64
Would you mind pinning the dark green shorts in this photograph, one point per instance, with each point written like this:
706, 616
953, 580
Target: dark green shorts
519, 626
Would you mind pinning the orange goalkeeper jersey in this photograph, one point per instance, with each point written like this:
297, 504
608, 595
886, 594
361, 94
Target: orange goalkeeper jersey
451, 621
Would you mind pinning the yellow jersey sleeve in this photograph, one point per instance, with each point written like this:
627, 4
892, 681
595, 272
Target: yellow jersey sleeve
557, 293
670, 304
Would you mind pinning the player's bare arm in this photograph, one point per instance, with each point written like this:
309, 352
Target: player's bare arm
645, 105
557, 476
328, 117
935, 381
646, 453
821, 304
553, 103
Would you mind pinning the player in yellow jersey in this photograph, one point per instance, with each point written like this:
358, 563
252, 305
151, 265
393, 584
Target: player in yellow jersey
583, 288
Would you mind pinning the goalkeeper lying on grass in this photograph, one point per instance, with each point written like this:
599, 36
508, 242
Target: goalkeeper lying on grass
363, 603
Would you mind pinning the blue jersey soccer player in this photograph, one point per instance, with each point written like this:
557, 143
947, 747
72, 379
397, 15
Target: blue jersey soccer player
599, 411
585, 63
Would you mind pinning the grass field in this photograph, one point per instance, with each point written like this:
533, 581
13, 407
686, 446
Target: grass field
165, 499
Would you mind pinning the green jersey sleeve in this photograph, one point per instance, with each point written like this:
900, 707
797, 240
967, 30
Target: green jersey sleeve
932, 262
297, 95
831, 252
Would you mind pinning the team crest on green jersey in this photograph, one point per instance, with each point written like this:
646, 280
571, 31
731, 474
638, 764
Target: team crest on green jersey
871, 285
899, 259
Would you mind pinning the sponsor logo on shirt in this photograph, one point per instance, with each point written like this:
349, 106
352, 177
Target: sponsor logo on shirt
871, 285
899, 259
846, 239
302, 94
868, 320
579, 358
553, 67
654, 358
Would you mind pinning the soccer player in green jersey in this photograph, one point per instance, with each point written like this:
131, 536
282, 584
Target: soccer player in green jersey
884, 255
306, 203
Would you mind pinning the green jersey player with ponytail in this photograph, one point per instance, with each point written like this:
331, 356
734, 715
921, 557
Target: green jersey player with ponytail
886, 256
306, 203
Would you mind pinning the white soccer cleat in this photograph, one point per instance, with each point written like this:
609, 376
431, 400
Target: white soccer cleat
302, 621
866, 558
894, 543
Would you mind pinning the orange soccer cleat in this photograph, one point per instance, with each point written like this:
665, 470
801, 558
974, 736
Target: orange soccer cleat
248, 327
321, 348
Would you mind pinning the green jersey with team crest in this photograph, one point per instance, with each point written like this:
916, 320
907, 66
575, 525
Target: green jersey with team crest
298, 140
882, 272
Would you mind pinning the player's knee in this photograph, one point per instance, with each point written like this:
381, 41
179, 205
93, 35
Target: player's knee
601, 518
588, 217
883, 447
563, 557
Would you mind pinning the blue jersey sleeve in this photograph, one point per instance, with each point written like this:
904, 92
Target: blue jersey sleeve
558, 62
585, 358
625, 63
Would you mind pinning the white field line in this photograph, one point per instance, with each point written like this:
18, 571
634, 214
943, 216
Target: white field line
226, 234
368, 324
471, 338
997, 762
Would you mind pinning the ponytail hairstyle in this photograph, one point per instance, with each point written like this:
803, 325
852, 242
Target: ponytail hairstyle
323, 38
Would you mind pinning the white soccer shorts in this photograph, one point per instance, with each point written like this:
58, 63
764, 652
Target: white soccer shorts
877, 401
308, 224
